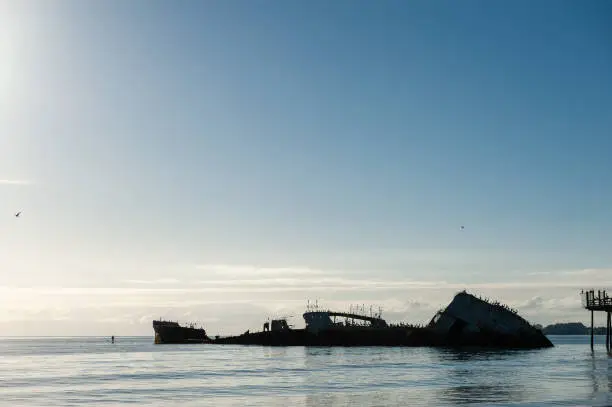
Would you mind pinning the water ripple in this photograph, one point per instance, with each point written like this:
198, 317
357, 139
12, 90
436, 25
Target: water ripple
79, 371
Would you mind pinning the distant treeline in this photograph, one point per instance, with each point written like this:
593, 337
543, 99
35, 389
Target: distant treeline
572, 328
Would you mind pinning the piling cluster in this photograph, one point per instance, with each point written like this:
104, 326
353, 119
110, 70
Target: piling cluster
601, 302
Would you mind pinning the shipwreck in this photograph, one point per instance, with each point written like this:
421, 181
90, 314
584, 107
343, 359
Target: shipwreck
466, 321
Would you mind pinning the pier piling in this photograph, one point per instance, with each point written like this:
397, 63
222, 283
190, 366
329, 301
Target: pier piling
599, 302
592, 329
609, 332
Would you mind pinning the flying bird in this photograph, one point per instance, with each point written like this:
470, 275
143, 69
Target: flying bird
17, 214
462, 227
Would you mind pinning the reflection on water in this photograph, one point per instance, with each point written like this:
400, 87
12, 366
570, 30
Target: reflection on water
274, 352
475, 354
599, 371
473, 376
90, 371
591, 373
481, 394
374, 398
316, 351
609, 373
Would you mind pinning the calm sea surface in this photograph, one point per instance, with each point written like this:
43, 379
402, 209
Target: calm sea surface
92, 371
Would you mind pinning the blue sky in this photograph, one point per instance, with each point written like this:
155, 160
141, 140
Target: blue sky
148, 143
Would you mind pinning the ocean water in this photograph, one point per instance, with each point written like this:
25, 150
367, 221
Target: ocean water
92, 371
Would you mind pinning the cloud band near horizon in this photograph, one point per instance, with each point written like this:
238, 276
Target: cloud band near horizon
15, 182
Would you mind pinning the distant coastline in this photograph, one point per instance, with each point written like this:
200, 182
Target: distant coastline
572, 328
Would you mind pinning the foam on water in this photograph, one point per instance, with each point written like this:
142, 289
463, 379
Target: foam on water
86, 370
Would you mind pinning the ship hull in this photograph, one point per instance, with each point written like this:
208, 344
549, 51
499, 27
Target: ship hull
332, 337
468, 321
395, 337
174, 334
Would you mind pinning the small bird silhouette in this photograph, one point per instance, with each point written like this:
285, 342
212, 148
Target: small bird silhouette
462, 227
17, 214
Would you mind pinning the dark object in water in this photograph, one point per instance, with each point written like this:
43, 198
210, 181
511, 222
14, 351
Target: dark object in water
472, 321
172, 332
466, 321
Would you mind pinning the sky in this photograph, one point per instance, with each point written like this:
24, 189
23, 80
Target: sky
225, 162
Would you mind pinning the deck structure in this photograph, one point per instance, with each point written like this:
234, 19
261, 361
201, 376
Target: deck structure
599, 301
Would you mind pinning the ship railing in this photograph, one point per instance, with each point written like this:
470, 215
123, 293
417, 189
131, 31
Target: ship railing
189, 324
406, 325
501, 307
356, 310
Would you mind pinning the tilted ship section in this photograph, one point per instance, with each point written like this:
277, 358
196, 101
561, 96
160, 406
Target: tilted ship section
472, 321
466, 321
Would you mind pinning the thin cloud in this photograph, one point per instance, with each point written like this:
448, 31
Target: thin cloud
591, 272
333, 283
272, 285
15, 182
540, 303
253, 270
242, 307
155, 281
540, 273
